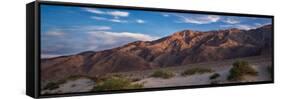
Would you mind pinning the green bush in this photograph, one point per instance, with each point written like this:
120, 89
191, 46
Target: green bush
116, 83
214, 76
193, 71
163, 74
239, 69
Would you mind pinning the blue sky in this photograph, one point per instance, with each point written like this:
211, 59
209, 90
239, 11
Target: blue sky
69, 30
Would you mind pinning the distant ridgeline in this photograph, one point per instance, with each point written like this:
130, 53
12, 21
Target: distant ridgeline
180, 48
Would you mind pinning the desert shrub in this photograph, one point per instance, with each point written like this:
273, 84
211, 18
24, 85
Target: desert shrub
214, 76
193, 71
116, 83
55, 84
135, 79
51, 86
239, 69
117, 75
75, 77
162, 74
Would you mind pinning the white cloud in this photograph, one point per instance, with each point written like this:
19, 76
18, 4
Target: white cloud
232, 21
140, 21
199, 19
129, 35
262, 24
118, 20
258, 24
115, 14
245, 27
97, 28
98, 18
166, 15
92, 10
62, 31
107, 19
239, 26
94, 38
55, 32
101, 40
50, 55
118, 13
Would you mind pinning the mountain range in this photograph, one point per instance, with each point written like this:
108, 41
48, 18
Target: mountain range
180, 48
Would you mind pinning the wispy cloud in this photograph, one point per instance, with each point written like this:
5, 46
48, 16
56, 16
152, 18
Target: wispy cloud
116, 16
86, 28
50, 55
61, 41
198, 19
55, 33
92, 10
166, 15
117, 35
61, 31
118, 13
140, 21
262, 24
245, 26
239, 26
108, 19
102, 40
231, 21
98, 28
115, 13
99, 18
118, 20
91, 38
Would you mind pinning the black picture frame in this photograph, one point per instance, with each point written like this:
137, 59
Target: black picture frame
33, 48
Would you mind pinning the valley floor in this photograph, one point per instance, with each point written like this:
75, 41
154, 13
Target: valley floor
261, 64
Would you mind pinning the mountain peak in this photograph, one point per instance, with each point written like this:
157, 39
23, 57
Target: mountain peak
184, 33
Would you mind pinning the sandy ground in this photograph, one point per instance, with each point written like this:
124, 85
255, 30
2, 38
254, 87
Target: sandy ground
203, 79
78, 85
260, 63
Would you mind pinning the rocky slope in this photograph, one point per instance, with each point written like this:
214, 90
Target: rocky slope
180, 48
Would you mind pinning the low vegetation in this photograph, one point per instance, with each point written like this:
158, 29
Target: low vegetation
240, 69
55, 84
51, 86
116, 83
193, 71
214, 76
165, 74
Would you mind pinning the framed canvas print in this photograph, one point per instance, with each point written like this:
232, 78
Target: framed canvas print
85, 49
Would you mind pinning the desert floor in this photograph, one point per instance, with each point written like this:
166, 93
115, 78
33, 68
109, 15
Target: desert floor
260, 63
